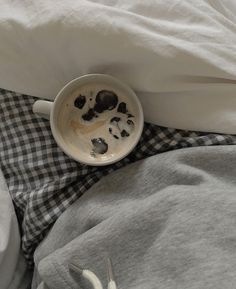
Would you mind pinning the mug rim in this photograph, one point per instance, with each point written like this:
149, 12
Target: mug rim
61, 95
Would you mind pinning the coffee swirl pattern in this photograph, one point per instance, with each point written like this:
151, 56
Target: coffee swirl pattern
101, 119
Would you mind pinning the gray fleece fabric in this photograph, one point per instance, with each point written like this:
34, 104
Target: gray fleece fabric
167, 222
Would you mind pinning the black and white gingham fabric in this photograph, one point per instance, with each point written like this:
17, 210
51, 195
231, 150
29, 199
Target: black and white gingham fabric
43, 181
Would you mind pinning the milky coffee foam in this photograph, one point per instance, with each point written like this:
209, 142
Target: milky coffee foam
97, 120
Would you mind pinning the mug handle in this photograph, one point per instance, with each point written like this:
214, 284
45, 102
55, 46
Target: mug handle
43, 108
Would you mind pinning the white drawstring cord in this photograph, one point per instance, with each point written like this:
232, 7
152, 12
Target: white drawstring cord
110, 275
87, 274
112, 285
93, 279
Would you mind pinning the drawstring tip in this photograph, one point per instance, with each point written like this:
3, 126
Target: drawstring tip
110, 274
76, 268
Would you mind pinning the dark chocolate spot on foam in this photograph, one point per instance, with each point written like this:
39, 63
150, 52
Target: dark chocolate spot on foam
89, 115
98, 108
115, 119
130, 122
122, 107
105, 100
114, 135
80, 101
124, 133
99, 145
130, 115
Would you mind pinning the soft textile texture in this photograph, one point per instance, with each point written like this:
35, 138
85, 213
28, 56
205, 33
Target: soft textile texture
22, 277
9, 237
44, 182
178, 55
167, 222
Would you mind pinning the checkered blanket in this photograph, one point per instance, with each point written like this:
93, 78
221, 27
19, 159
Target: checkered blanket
43, 181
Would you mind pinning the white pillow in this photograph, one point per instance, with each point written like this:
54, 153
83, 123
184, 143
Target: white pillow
178, 55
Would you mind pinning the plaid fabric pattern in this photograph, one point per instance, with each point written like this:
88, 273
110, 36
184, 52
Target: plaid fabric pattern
43, 181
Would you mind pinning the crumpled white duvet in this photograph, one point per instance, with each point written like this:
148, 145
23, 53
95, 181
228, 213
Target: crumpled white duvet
179, 56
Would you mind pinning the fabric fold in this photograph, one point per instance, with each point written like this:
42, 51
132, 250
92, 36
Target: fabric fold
166, 49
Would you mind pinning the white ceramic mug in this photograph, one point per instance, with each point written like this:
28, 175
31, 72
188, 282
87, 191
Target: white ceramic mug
50, 110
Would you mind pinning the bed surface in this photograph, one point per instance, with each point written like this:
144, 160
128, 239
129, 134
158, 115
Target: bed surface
179, 56
44, 182
167, 222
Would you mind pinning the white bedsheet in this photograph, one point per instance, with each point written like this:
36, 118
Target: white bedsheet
9, 237
13, 270
180, 56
